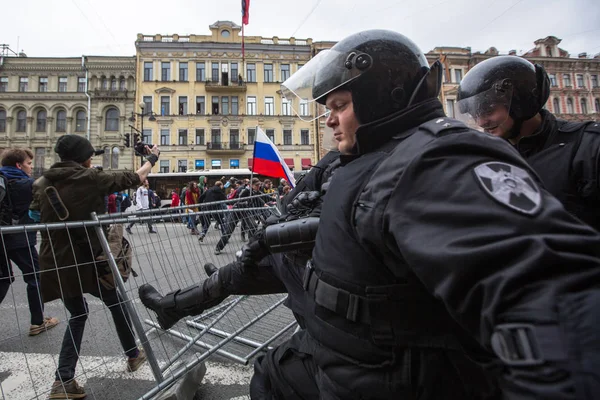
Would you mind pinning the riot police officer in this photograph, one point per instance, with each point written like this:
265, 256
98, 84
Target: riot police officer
505, 96
435, 239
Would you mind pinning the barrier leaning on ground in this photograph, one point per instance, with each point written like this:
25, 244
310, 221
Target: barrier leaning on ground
238, 329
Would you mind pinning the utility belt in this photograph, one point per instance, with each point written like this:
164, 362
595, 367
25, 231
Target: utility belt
403, 315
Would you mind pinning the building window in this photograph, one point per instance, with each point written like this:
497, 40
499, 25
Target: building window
215, 105
200, 137
181, 165
183, 71
3, 84
225, 105
214, 72
567, 80
43, 84
271, 135
594, 81
106, 158
215, 164
148, 71
556, 105
580, 81
183, 108
113, 84
147, 136
21, 121
23, 82
457, 75
165, 137
287, 137
251, 135
250, 72
81, 84
225, 74
450, 108
183, 139
112, 120
199, 164
148, 104
62, 84
269, 106
104, 83
234, 105
234, 72
304, 137
584, 109
553, 82
285, 72
200, 106
2, 120
597, 105
215, 137
251, 105
304, 107
165, 105
80, 121
122, 85
234, 138
548, 51
164, 166
268, 72
114, 158
200, 71
286, 107
234, 163
570, 109
61, 121
165, 71
41, 121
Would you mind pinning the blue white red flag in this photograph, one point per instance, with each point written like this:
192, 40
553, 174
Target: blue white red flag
267, 160
245, 12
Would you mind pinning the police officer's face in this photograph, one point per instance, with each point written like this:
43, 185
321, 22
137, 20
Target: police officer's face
496, 122
342, 119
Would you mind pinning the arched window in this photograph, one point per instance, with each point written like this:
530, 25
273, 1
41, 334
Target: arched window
597, 105
556, 105
113, 84
570, 109
21, 121
80, 121
106, 158
2, 120
104, 83
584, 109
61, 121
122, 84
41, 121
112, 120
548, 51
114, 158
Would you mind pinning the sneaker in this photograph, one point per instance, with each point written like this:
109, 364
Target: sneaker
66, 390
48, 323
133, 364
201, 238
153, 231
217, 251
128, 230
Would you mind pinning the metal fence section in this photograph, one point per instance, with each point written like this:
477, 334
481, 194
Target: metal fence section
170, 248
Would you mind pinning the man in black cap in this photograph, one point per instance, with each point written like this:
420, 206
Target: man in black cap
70, 191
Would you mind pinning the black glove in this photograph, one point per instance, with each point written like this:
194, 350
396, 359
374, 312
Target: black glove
304, 203
255, 250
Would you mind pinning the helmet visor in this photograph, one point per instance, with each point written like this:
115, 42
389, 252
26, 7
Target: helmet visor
324, 73
329, 142
487, 111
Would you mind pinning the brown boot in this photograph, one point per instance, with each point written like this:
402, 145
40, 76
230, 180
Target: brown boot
49, 323
134, 363
66, 390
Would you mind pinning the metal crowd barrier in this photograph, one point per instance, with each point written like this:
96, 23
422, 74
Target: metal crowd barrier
172, 258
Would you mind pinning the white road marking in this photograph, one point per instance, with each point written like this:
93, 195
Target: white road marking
31, 374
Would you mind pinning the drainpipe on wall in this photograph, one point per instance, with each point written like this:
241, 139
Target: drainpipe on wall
89, 105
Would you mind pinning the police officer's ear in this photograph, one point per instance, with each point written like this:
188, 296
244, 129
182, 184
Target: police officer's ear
429, 86
542, 90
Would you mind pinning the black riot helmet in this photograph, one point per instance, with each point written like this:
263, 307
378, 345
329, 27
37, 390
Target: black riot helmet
521, 86
384, 70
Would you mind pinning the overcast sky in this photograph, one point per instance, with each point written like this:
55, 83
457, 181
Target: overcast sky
109, 27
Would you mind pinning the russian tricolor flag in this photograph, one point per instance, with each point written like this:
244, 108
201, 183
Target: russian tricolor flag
267, 160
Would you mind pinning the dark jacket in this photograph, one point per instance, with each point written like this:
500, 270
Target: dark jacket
566, 157
431, 237
67, 256
20, 191
215, 193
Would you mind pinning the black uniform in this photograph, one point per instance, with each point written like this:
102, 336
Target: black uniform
565, 155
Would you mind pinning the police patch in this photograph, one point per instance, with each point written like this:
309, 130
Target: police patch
509, 185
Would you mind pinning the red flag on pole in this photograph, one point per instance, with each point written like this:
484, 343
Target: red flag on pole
245, 11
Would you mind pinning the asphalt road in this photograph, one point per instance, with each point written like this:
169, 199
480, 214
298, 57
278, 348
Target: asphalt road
169, 259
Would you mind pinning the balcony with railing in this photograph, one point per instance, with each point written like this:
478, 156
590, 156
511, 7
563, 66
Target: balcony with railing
222, 86
225, 147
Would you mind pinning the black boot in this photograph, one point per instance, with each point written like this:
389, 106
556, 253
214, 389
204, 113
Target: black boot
173, 306
210, 268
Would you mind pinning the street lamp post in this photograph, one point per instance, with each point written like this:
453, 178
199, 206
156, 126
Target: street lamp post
141, 132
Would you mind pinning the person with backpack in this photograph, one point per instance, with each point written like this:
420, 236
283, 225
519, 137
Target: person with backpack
69, 259
15, 197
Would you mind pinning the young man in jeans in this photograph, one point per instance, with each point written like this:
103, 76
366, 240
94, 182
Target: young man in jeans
19, 248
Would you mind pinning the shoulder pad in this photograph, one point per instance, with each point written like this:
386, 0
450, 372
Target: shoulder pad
440, 124
593, 127
569, 126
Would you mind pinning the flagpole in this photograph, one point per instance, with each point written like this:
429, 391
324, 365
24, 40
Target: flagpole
253, 154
